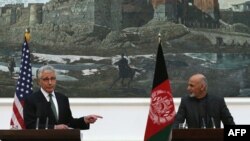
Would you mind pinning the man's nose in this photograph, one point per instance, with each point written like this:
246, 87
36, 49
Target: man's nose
50, 81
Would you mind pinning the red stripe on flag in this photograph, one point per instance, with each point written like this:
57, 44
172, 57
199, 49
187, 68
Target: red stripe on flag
18, 115
162, 110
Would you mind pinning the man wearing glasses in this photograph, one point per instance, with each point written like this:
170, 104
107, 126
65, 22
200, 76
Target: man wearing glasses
49, 109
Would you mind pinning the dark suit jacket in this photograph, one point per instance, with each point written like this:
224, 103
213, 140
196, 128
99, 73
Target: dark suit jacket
199, 112
36, 106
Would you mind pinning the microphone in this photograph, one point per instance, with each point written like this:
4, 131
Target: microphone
47, 123
203, 123
37, 123
203, 117
203, 113
42, 120
38, 115
213, 124
47, 115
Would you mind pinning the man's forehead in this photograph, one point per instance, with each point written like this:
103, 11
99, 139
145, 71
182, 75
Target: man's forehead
48, 72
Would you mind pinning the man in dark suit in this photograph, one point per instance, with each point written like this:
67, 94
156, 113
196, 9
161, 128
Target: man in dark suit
200, 109
49, 109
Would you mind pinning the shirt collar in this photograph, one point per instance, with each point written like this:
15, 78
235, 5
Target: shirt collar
47, 94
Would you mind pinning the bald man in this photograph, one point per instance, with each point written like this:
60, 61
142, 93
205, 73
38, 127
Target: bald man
200, 109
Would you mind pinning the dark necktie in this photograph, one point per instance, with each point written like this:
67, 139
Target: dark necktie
53, 107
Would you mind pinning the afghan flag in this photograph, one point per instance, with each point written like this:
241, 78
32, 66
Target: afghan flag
162, 112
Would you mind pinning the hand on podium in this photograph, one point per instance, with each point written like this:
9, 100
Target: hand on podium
61, 126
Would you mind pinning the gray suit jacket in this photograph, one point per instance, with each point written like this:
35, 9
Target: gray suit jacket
202, 112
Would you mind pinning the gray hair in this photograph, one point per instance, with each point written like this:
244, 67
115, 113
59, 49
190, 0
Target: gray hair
44, 68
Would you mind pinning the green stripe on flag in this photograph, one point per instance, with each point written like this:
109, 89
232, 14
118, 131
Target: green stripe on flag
163, 135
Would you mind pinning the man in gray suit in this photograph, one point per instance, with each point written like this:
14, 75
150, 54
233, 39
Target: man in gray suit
200, 109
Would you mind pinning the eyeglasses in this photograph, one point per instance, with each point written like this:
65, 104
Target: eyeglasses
48, 79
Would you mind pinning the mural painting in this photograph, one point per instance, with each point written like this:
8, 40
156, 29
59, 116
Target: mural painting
106, 48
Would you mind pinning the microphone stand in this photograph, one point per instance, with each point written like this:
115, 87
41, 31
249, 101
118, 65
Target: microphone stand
203, 124
213, 124
47, 122
37, 123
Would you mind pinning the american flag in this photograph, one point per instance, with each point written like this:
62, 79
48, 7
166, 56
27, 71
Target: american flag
23, 88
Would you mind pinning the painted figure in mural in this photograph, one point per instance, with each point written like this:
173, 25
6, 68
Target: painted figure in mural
52, 108
11, 66
219, 41
123, 66
200, 109
125, 71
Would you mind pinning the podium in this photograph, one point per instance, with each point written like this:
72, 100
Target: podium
40, 135
198, 134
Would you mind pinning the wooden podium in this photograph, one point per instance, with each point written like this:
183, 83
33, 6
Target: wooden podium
40, 135
198, 134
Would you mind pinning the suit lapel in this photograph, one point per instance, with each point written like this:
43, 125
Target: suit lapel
41, 97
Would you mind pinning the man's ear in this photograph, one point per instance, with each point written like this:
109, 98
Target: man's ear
203, 87
38, 82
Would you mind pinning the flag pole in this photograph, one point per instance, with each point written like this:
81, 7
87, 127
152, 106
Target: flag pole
23, 87
160, 118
